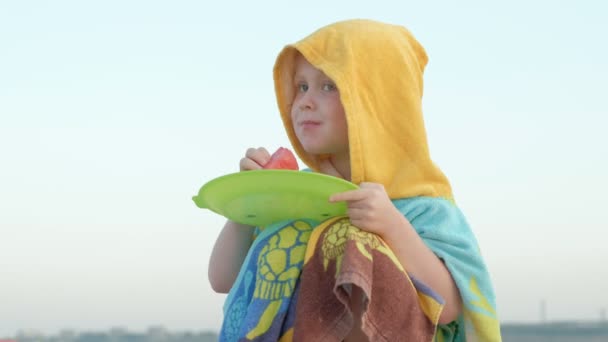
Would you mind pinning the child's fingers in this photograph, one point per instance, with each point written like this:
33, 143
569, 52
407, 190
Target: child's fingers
352, 195
247, 164
263, 155
258, 155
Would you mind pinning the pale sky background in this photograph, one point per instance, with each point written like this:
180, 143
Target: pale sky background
114, 113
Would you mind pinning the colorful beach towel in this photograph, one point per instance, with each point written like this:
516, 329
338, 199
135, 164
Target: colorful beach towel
261, 304
272, 301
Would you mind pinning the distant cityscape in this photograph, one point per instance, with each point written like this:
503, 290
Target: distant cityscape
511, 332
153, 334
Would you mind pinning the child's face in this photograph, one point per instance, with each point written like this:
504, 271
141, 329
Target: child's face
317, 113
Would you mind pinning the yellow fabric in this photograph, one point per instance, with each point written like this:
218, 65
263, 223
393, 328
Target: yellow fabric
288, 337
432, 309
378, 70
485, 327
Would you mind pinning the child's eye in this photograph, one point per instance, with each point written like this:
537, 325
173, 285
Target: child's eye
302, 87
329, 87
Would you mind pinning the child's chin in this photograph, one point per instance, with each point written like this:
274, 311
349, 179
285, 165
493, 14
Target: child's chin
315, 149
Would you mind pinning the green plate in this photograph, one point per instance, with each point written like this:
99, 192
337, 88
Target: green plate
262, 197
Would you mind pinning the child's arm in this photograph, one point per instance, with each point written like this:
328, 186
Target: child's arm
233, 243
370, 209
228, 254
423, 264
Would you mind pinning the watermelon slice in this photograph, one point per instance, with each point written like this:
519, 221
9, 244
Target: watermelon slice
282, 159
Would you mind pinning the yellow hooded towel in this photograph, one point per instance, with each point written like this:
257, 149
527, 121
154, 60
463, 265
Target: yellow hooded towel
378, 69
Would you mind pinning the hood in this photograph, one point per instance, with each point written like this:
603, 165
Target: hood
378, 69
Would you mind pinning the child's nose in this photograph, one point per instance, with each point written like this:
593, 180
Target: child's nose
307, 101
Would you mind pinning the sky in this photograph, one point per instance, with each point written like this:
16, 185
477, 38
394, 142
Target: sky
114, 113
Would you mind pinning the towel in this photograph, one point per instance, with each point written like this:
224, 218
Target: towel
299, 278
378, 70
261, 304
445, 230
350, 278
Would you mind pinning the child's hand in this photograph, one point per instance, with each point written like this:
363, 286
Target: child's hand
255, 159
370, 208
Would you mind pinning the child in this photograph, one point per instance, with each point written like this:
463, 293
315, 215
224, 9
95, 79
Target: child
350, 99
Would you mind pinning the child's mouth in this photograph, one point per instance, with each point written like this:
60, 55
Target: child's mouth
309, 124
